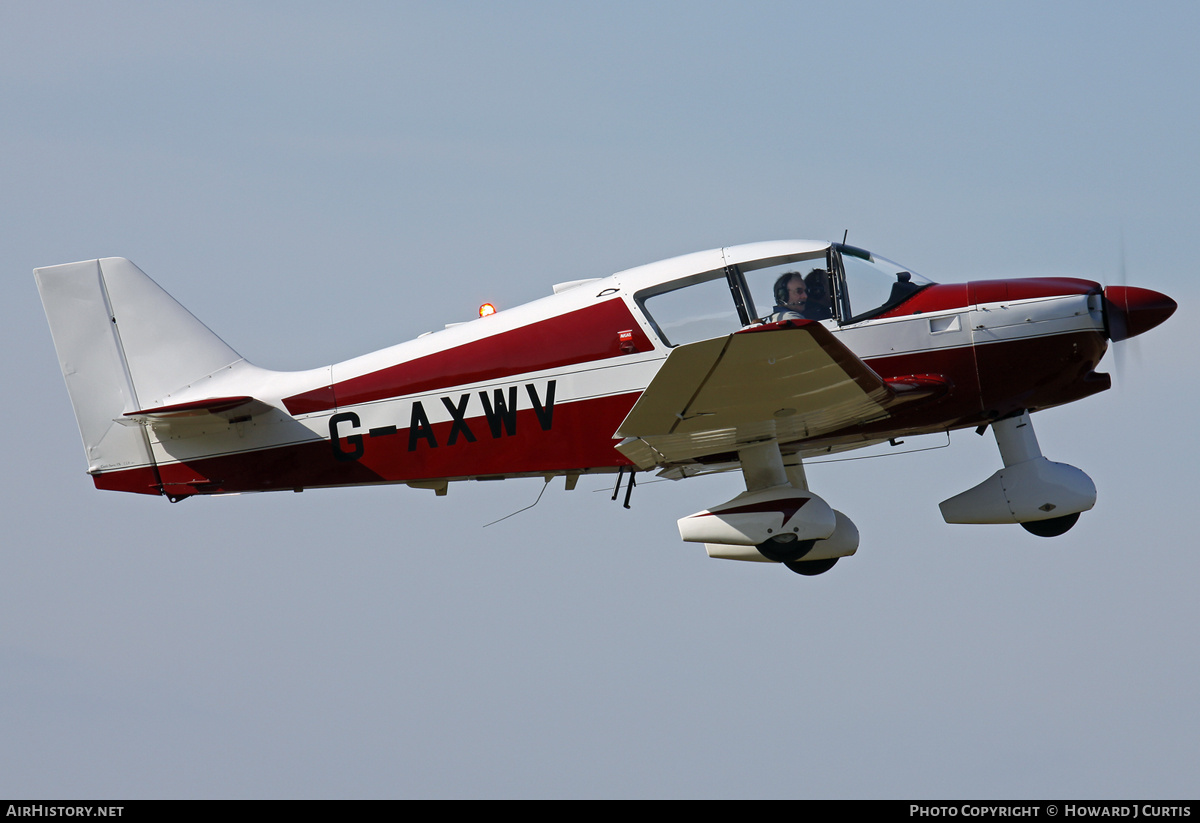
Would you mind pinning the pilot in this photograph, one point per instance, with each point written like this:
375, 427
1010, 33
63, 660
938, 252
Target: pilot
820, 302
791, 297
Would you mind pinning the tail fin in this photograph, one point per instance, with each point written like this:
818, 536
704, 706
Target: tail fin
123, 343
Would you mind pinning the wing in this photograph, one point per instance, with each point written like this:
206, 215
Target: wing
791, 381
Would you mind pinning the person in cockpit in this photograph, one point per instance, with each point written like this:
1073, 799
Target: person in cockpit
820, 302
802, 297
791, 297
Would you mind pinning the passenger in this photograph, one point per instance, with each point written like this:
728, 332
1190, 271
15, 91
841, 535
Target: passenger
820, 301
791, 297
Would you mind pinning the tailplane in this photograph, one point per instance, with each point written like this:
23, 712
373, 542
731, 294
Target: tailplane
123, 344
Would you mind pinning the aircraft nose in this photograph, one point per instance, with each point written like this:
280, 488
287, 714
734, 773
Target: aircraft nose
1129, 310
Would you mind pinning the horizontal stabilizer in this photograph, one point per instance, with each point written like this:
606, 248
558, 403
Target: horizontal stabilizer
230, 408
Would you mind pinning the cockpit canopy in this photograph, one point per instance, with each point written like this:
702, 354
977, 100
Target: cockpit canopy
833, 283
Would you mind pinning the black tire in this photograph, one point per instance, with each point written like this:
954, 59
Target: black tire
810, 568
1052, 527
783, 548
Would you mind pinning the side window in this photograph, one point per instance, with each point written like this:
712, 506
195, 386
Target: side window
700, 309
702, 306
776, 290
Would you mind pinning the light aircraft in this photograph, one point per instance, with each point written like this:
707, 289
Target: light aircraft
696, 364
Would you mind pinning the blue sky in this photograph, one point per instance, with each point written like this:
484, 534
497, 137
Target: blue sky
316, 182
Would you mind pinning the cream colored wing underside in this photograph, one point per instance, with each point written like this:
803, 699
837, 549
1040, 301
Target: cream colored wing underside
791, 381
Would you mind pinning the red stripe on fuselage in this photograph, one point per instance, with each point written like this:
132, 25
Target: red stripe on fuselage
951, 296
1029, 288
579, 438
589, 334
938, 297
141, 480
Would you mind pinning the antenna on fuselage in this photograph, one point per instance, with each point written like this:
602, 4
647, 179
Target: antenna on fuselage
845, 234
546, 482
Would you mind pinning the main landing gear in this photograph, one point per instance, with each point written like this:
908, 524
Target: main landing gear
1052, 527
777, 519
785, 548
811, 568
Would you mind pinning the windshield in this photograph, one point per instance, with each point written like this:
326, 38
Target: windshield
871, 284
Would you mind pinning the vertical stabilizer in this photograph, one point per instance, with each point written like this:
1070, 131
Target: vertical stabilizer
123, 343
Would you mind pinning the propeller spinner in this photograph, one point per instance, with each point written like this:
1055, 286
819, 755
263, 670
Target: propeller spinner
1130, 310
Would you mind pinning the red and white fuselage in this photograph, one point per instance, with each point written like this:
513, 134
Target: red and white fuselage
560, 386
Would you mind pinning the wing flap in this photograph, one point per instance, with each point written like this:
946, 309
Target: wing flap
791, 381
